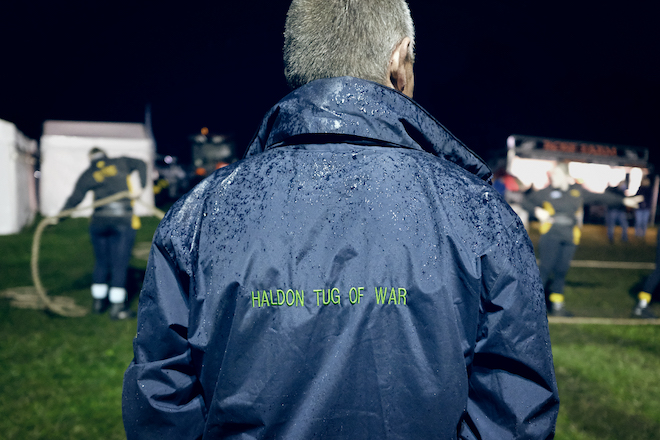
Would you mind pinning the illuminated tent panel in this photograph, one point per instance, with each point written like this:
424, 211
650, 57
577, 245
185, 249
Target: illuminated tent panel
18, 198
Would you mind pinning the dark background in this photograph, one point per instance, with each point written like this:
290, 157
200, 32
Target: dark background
576, 70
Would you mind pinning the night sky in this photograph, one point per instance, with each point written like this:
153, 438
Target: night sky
576, 70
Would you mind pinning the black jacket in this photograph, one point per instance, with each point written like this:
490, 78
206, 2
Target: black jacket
106, 177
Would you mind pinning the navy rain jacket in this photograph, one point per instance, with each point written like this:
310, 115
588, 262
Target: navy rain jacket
354, 277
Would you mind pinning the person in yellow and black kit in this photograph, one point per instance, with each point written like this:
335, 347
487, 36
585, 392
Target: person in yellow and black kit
557, 208
644, 297
112, 227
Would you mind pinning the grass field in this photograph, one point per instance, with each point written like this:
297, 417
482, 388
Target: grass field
61, 377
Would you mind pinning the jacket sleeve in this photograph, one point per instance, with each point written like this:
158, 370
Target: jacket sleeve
531, 200
84, 183
140, 166
513, 391
612, 199
161, 394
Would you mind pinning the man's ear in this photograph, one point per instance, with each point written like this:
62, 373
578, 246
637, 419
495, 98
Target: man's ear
398, 71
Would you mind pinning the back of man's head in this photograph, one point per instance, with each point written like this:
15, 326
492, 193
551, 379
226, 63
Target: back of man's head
331, 38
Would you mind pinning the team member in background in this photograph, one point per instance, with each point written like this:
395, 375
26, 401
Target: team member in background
642, 309
557, 208
354, 277
112, 227
643, 212
617, 213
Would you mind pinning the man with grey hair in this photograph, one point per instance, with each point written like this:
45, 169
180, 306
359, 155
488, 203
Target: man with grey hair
361, 40
354, 277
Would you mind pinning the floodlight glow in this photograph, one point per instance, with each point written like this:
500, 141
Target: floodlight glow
594, 177
532, 172
511, 142
636, 176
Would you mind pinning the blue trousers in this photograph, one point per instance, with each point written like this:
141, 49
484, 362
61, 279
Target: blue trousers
614, 216
642, 216
555, 257
113, 244
654, 279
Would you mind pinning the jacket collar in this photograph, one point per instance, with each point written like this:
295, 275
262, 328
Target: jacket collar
354, 108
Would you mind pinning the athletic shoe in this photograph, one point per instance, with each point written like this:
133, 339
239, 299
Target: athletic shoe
100, 305
120, 312
643, 313
560, 312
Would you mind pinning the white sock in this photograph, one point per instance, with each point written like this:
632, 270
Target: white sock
117, 295
99, 291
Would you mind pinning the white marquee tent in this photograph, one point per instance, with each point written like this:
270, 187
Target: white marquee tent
18, 197
64, 156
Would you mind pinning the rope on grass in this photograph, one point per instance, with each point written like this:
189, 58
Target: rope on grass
26, 297
59, 305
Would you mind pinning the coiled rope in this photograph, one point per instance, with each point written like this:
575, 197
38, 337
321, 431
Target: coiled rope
65, 306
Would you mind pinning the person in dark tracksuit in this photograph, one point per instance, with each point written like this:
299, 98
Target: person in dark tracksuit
112, 227
557, 208
617, 213
644, 297
643, 212
355, 276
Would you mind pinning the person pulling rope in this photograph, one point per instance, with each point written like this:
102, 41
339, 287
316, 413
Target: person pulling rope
63, 306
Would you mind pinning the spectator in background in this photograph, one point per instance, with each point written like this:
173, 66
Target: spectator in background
643, 212
499, 180
645, 296
617, 213
509, 187
262, 313
112, 227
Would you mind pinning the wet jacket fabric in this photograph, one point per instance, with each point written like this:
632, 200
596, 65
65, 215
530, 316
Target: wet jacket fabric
354, 277
106, 177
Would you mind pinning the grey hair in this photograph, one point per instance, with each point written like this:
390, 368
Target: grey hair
331, 38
